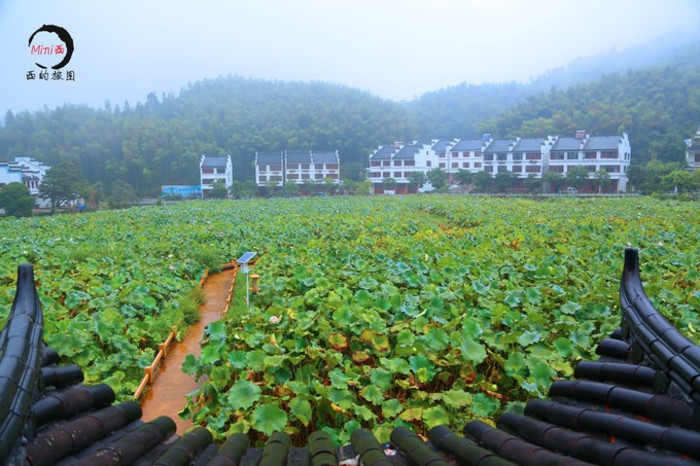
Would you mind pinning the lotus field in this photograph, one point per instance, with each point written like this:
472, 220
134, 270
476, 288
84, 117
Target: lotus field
373, 312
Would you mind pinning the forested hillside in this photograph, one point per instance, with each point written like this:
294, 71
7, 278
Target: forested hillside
160, 141
658, 108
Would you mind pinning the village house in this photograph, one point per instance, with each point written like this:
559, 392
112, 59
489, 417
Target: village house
213, 170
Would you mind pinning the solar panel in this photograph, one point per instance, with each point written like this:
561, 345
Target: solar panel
245, 258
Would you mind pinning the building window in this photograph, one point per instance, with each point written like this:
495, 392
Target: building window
442, 165
374, 174
591, 168
262, 178
331, 166
572, 156
477, 164
305, 176
589, 155
207, 170
455, 164
533, 169
441, 155
386, 163
386, 175
263, 168
220, 170
375, 164
502, 157
397, 175
455, 154
488, 157
488, 169
276, 178
428, 163
397, 163
275, 168
333, 176
292, 166
465, 164
293, 177
502, 169
609, 155
304, 166
318, 176
477, 154
556, 168
557, 156
533, 156
518, 156
409, 163
517, 168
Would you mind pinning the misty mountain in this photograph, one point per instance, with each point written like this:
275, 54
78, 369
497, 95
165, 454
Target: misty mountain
160, 141
458, 110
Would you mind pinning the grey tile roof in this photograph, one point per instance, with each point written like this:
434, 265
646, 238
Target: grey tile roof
498, 145
324, 157
214, 162
269, 158
298, 156
384, 153
564, 144
529, 145
406, 152
466, 145
441, 145
602, 143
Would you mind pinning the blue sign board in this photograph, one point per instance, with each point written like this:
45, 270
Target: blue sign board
183, 191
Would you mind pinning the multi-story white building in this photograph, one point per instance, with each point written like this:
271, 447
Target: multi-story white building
524, 157
692, 151
214, 169
296, 166
25, 170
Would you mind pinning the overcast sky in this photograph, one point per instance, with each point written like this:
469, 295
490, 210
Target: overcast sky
396, 49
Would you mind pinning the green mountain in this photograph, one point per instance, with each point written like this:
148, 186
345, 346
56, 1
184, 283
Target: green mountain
161, 141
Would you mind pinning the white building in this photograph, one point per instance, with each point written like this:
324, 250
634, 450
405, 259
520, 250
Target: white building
692, 151
296, 166
25, 170
524, 157
213, 169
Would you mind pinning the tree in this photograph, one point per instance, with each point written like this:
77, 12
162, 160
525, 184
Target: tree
601, 179
389, 184
309, 187
464, 177
62, 183
437, 178
16, 200
532, 183
504, 180
270, 188
123, 194
291, 188
416, 180
243, 189
218, 190
330, 186
577, 176
554, 180
680, 181
482, 181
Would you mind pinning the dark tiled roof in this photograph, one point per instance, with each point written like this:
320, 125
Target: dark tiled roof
325, 157
269, 158
468, 145
602, 143
498, 145
567, 144
528, 145
638, 404
214, 162
384, 153
298, 156
441, 145
406, 152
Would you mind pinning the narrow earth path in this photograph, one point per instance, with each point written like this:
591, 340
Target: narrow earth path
166, 395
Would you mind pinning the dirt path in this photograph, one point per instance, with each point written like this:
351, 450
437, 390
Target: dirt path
166, 395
